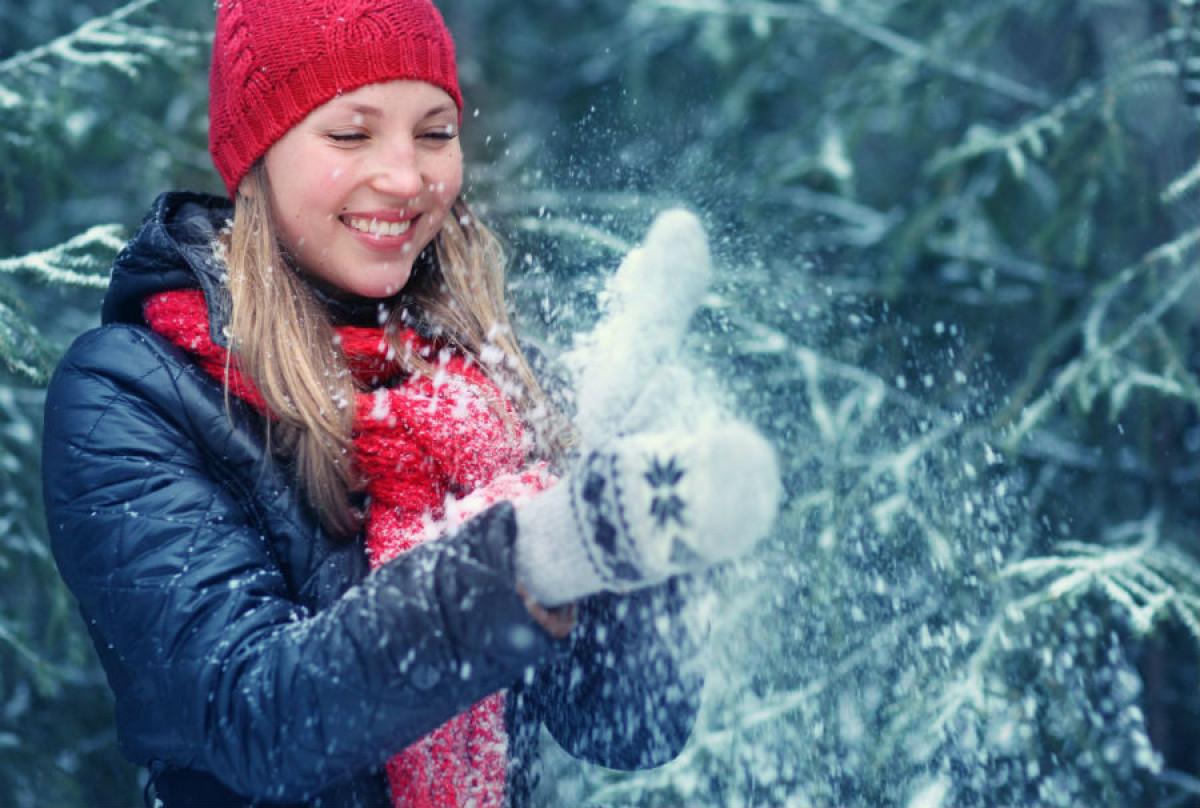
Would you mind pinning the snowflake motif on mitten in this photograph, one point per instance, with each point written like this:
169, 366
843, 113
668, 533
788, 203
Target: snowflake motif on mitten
648, 506
665, 506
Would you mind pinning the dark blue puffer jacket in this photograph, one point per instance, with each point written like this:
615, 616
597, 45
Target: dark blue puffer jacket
253, 658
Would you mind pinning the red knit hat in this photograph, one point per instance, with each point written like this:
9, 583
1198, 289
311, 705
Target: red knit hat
275, 61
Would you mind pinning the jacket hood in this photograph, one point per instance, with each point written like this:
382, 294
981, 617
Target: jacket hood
172, 250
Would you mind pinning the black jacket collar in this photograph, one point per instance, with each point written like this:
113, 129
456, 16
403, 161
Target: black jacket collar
172, 250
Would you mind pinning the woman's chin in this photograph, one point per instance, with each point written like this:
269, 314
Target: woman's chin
377, 290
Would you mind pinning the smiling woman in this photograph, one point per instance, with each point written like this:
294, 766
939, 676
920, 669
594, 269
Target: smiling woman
317, 510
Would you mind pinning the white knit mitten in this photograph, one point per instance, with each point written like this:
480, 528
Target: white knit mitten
667, 482
645, 507
629, 373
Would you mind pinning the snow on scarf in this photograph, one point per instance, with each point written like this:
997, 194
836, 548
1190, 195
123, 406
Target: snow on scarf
433, 452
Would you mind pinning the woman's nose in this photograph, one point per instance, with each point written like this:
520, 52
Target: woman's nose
398, 172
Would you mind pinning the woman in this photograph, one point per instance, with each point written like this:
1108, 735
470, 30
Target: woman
299, 480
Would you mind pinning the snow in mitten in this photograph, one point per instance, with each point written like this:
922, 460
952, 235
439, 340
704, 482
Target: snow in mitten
629, 373
645, 507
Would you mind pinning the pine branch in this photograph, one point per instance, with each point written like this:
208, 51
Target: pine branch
1097, 351
865, 227
105, 41
880, 35
589, 234
1187, 783
47, 676
22, 348
61, 263
997, 256
1182, 185
1142, 578
1033, 135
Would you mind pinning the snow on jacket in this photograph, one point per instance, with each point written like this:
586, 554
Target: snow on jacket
253, 658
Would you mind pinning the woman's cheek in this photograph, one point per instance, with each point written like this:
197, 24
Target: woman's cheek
445, 195
325, 179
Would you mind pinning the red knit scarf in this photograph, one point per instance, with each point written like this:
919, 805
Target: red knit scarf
421, 445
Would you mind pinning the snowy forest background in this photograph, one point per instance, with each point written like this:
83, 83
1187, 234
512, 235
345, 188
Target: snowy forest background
957, 250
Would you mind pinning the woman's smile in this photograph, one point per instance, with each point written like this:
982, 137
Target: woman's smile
382, 231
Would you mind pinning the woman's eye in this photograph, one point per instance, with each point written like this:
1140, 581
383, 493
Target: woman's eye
442, 133
346, 137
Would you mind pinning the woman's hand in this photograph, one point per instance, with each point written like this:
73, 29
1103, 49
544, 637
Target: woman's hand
557, 622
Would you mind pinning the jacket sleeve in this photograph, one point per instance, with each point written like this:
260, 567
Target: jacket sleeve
628, 694
218, 665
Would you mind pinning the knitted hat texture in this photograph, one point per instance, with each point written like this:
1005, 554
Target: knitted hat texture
275, 61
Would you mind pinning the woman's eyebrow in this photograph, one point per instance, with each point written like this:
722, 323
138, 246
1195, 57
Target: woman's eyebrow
441, 108
366, 109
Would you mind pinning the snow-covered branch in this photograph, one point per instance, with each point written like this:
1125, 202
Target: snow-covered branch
107, 41
886, 38
1175, 255
1147, 579
64, 262
1032, 137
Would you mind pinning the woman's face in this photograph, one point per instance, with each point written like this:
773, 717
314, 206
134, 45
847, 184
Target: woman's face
363, 184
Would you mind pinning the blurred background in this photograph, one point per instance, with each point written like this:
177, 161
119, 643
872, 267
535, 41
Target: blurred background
956, 249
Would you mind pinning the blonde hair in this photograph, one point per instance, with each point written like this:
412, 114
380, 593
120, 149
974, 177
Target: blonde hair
283, 341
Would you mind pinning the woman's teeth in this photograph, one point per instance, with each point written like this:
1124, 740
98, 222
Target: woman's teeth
378, 228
